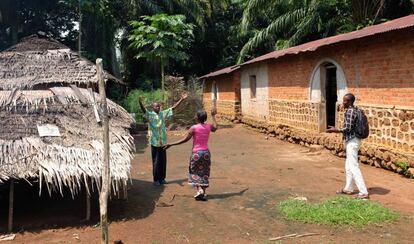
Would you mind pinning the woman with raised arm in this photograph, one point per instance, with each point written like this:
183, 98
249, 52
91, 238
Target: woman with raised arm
200, 160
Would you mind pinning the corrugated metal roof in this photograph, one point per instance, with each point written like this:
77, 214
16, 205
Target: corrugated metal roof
221, 71
396, 24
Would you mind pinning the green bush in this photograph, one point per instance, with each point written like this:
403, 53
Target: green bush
132, 101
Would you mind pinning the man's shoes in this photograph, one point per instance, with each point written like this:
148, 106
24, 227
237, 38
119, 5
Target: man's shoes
156, 183
362, 196
163, 182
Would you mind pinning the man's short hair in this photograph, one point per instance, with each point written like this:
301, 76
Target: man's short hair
351, 97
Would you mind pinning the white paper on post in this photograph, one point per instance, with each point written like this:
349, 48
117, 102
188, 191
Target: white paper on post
48, 130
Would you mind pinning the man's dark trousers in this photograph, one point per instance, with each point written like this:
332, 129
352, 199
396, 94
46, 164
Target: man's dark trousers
159, 163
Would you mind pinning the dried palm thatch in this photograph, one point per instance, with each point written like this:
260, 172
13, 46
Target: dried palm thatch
75, 157
38, 60
176, 86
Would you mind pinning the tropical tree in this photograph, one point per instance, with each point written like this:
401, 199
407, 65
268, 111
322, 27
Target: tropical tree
283, 23
20, 18
277, 24
161, 38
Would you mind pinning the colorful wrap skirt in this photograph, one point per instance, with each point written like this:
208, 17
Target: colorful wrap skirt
199, 169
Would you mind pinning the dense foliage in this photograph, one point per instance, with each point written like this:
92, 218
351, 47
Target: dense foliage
223, 31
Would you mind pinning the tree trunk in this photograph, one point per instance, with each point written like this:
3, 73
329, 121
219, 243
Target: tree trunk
103, 197
80, 29
162, 81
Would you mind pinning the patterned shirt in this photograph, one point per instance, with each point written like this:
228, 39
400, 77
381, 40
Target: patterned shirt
157, 133
350, 121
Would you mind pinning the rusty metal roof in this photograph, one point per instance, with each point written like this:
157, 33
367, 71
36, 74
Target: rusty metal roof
397, 24
221, 71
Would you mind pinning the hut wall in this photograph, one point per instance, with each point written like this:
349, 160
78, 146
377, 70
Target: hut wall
255, 107
379, 70
228, 95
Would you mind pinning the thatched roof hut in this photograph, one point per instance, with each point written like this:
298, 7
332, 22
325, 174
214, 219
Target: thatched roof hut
38, 61
49, 126
70, 154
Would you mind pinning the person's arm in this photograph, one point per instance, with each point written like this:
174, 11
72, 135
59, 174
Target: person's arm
141, 104
183, 97
183, 140
349, 116
213, 117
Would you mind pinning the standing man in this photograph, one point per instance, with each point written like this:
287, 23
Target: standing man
158, 137
352, 144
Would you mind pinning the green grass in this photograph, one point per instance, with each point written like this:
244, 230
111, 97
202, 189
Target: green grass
403, 165
337, 211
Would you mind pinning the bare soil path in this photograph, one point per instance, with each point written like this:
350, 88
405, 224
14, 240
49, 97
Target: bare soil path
250, 175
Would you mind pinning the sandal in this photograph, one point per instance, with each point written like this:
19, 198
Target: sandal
199, 196
362, 196
343, 192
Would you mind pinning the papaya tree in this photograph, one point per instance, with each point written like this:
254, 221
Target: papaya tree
161, 38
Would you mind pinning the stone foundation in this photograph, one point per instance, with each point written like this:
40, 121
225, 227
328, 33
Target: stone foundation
303, 115
390, 127
226, 109
389, 145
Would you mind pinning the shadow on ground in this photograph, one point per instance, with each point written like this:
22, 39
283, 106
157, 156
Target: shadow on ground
378, 191
34, 213
226, 194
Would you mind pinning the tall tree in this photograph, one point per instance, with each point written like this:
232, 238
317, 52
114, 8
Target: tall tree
161, 38
20, 18
283, 23
277, 24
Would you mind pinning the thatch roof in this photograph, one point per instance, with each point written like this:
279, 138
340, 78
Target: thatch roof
40, 60
75, 157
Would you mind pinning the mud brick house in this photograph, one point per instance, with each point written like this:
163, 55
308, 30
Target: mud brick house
295, 93
223, 87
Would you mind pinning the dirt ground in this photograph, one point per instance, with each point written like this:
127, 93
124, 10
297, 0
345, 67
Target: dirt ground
250, 175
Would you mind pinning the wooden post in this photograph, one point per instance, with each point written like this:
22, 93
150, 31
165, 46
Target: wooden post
11, 203
214, 104
104, 193
88, 207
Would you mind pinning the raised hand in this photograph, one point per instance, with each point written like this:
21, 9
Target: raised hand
184, 96
213, 112
331, 129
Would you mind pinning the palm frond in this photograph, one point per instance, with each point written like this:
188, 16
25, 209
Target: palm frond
306, 27
277, 27
254, 8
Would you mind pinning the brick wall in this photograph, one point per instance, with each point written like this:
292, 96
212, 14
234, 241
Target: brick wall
228, 86
228, 102
378, 69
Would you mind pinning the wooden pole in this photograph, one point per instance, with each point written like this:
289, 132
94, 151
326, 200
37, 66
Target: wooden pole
104, 193
11, 204
88, 206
